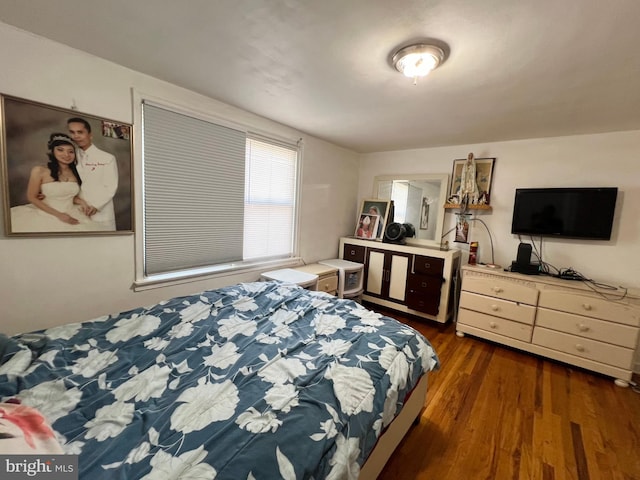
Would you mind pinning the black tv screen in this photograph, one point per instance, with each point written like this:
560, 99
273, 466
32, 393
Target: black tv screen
565, 212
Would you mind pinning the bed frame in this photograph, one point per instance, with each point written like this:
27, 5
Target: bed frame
396, 431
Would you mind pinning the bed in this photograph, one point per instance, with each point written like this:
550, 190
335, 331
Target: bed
256, 381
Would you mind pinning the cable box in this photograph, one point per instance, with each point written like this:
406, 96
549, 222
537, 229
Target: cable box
571, 277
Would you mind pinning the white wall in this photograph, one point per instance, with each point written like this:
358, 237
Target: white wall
610, 159
51, 281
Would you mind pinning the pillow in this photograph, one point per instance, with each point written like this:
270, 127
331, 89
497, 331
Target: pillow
24, 431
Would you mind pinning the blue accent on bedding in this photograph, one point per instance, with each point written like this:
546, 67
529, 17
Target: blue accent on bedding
254, 381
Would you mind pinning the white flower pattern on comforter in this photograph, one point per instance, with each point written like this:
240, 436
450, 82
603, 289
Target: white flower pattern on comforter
255, 381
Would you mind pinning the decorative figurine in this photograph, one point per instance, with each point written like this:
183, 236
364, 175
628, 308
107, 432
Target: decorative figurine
468, 192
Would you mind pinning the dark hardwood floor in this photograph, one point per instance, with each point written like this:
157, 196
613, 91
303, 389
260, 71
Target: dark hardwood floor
497, 413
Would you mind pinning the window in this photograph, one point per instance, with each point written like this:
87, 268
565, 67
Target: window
215, 197
269, 206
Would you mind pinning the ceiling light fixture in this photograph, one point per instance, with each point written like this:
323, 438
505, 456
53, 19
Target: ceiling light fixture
417, 60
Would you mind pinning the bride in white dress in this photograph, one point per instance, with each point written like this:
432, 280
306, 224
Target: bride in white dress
53, 195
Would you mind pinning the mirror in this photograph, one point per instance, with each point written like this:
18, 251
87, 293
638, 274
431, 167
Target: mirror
418, 200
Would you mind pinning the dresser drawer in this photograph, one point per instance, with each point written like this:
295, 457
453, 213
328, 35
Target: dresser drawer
590, 306
496, 287
583, 347
425, 303
424, 284
587, 327
500, 326
328, 283
428, 265
519, 312
353, 253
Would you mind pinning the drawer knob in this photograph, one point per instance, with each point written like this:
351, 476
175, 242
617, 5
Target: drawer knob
427, 265
493, 324
579, 348
586, 306
495, 307
497, 289
582, 327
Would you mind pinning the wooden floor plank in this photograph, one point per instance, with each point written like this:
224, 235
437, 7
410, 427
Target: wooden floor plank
496, 413
578, 450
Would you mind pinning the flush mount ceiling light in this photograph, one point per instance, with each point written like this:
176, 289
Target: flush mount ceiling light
417, 60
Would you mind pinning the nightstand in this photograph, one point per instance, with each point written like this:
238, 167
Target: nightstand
327, 276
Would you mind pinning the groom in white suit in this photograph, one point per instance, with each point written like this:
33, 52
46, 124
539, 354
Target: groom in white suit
98, 171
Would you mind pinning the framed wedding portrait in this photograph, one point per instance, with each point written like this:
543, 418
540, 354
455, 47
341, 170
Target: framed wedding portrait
64, 172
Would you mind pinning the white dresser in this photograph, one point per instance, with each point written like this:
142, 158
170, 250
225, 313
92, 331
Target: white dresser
570, 321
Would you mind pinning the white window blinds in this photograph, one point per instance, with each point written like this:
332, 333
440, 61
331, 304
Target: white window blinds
212, 196
194, 175
270, 193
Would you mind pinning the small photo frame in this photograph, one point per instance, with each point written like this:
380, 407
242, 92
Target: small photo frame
116, 130
379, 208
462, 228
367, 226
484, 175
424, 214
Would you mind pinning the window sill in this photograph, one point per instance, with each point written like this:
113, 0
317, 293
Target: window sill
199, 274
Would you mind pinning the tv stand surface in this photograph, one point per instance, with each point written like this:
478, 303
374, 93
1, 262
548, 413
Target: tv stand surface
566, 321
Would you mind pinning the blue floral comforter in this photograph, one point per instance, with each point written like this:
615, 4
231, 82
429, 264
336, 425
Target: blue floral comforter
254, 381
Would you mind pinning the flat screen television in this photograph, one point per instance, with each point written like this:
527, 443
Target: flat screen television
565, 212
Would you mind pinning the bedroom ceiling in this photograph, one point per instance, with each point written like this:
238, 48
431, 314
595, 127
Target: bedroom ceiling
513, 70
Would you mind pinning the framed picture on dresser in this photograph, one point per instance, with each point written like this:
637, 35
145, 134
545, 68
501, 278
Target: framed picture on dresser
379, 208
367, 226
64, 172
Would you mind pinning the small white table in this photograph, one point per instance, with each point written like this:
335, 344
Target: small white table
289, 275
